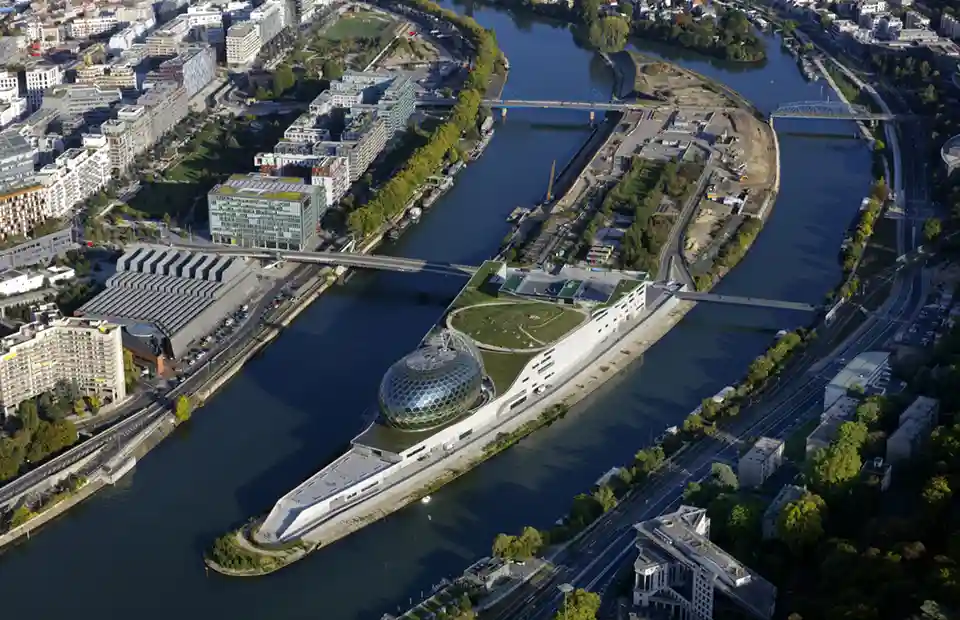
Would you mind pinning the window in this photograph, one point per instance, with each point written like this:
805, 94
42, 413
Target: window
517, 403
466, 434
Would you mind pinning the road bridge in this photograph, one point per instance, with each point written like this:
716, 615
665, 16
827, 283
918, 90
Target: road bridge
346, 259
831, 110
745, 301
586, 106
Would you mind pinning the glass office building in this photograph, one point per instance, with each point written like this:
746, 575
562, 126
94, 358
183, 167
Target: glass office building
259, 211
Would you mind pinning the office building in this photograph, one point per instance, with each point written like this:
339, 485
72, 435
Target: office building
330, 173
915, 425
80, 104
868, 373
243, 43
172, 297
678, 571
39, 78
86, 27
259, 211
194, 68
76, 175
36, 251
12, 109
843, 410
759, 463
9, 81
52, 349
308, 129
15, 282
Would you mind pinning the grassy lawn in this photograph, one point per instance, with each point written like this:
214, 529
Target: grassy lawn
503, 368
213, 154
360, 25
517, 326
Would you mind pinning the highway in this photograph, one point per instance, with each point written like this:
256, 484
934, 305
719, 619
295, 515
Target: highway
595, 559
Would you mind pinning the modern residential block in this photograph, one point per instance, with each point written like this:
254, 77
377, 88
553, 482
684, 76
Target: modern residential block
916, 423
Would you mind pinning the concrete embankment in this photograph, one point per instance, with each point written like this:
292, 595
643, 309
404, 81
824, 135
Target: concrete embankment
50, 514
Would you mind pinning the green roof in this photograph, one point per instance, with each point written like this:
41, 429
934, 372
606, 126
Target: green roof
229, 190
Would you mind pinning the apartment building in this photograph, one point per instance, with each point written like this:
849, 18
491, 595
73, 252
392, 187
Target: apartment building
332, 174
18, 157
51, 349
243, 43
194, 68
128, 37
9, 81
76, 175
120, 74
128, 135
308, 129
167, 104
259, 211
11, 110
40, 77
166, 41
759, 463
270, 18
86, 27
365, 138
915, 425
23, 205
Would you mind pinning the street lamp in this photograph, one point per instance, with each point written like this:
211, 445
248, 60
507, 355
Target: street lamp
566, 588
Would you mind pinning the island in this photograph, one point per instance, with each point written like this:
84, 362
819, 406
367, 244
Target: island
728, 35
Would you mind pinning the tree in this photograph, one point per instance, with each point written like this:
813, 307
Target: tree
79, 407
21, 515
332, 69
183, 409
609, 34
579, 604
724, 476
801, 521
129, 369
521, 547
283, 79
932, 228
937, 491
262, 94
94, 403
605, 497
29, 415
648, 460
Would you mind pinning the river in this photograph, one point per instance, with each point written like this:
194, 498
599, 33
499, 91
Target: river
135, 551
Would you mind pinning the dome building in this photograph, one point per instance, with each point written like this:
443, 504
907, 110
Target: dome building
434, 385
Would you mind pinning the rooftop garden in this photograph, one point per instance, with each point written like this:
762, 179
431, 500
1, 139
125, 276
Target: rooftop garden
516, 325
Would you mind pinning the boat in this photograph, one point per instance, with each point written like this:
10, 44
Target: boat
414, 214
482, 144
425, 500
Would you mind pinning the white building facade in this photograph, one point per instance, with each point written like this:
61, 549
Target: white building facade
76, 175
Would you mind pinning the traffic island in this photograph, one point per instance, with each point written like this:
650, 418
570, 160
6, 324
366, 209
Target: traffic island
235, 554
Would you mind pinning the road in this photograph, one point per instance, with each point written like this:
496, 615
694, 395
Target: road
594, 561
673, 249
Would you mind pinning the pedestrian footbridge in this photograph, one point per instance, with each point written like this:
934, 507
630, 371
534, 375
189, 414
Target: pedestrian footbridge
745, 301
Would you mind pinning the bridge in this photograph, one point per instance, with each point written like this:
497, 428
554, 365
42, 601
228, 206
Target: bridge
586, 106
833, 110
416, 265
745, 301
346, 259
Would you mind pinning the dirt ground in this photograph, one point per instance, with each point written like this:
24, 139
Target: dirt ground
669, 83
411, 52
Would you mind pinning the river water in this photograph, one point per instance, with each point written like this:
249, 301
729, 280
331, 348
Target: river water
136, 551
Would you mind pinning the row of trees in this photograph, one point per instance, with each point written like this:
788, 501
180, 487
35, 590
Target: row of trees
25, 511
857, 241
390, 199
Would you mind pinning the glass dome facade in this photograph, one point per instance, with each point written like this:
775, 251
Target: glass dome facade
430, 387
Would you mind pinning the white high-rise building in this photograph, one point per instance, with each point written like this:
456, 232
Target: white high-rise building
39, 78
76, 175
52, 349
86, 27
243, 43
